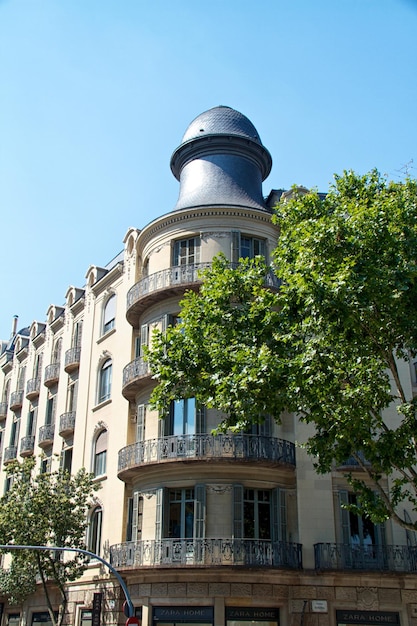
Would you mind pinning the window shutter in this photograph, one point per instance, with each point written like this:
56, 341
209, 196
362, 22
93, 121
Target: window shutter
161, 427
129, 520
197, 249
143, 337
344, 517
135, 505
140, 426
279, 515
235, 246
410, 534
265, 429
158, 516
200, 426
380, 532
75, 395
238, 511
200, 512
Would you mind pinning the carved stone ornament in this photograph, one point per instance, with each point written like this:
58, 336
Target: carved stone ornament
219, 489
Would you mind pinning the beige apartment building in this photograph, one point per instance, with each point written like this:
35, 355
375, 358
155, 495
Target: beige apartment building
227, 530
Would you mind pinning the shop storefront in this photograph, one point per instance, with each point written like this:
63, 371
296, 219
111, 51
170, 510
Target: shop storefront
256, 616
367, 618
190, 615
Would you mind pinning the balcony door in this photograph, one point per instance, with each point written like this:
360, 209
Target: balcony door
362, 539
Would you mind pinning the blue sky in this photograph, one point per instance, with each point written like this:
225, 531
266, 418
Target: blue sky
96, 94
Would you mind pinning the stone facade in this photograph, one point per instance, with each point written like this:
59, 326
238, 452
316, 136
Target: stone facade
220, 530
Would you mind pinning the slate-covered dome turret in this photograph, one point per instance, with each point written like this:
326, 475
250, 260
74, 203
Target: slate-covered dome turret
221, 162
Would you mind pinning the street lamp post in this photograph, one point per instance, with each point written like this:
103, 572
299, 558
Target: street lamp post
129, 606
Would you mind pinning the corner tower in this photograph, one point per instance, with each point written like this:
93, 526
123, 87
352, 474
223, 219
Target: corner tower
221, 162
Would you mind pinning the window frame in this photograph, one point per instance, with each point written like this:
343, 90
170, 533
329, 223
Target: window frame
109, 309
105, 380
181, 254
99, 460
95, 525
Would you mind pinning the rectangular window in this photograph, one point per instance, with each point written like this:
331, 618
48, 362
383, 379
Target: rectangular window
245, 247
86, 618
77, 334
14, 432
72, 395
50, 411
31, 423
186, 251
183, 417
181, 513
42, 618
66, 460
100, 463
134, 518
257, 514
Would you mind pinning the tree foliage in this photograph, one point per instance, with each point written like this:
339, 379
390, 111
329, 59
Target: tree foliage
43, 509
328, 345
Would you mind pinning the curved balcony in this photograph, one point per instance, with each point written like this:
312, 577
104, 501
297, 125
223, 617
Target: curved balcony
67, 424
339, 556
241, 448
27, 445
133, 374
46, 435
10, 454
170, 281
51, 374
72, 359
33, 387
16, 400
206, 552
3, 410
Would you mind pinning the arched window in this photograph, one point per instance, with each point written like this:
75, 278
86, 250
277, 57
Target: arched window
56, 352
109, 314
104, 385
94, 530
100, 454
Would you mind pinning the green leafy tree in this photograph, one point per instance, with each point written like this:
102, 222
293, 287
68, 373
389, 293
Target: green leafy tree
45, 509
329, 345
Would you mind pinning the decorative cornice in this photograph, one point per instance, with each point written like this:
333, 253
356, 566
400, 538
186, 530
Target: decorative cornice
200, 212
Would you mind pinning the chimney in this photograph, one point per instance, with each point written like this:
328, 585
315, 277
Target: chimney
14, 325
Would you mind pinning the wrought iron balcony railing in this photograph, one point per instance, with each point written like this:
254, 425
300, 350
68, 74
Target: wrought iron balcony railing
235, 447
3, 410
206, 552
16, 400
33, 387
134, 371
339, 556
172, 278
46, 434
72, 359
27, 445
10, 453
51, 375
67, 423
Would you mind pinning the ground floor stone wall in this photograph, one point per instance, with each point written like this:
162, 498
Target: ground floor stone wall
261, 597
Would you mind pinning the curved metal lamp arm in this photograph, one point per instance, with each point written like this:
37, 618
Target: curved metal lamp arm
9, 547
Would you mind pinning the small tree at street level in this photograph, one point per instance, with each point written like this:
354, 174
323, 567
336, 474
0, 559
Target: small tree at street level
328, 345
47, 508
